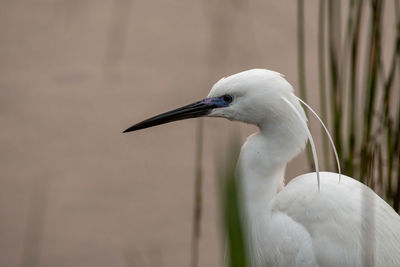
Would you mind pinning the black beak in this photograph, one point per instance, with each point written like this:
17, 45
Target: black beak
198, 109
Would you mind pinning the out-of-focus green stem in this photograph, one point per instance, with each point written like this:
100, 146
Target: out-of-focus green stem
396, 146
233, 211
372, 77
396, 202
300, 47
390, 147
198, 184
301, 65
322, 79
349, 165
334, 28
380, 169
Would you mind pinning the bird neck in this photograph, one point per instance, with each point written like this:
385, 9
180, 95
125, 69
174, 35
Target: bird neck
259, 190
261, 171
262, 164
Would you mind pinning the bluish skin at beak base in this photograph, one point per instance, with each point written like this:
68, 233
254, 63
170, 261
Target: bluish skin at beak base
197, 109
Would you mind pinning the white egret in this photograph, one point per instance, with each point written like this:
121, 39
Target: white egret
341, 224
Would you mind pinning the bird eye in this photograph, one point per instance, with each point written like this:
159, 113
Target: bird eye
227, 98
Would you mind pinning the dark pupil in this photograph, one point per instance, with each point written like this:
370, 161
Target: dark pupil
227, 98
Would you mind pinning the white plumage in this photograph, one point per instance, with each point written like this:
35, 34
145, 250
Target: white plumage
343, 224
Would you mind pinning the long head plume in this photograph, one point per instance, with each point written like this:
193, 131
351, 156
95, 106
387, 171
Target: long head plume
315, 157
310, 138
327, 133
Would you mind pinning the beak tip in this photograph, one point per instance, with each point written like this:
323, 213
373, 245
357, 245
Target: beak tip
128, 130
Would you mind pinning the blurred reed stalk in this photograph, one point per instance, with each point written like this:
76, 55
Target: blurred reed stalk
322, 80
197, 203
233, 225
366, 135
301, 65
116, 37
35, 222
218, 58
335, 86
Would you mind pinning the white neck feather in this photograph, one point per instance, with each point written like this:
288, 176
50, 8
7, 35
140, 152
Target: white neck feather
262, 164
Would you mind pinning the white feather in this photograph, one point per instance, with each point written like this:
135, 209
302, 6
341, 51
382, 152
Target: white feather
310, 138
327, 133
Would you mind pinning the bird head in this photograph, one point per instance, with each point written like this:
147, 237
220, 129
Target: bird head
252, 96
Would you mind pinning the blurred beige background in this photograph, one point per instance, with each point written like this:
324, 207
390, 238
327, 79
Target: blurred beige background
74, 191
